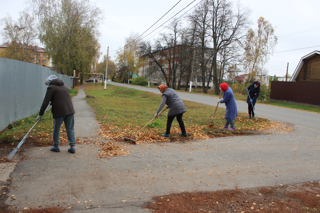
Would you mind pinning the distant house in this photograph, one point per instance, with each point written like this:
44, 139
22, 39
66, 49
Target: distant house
308, 68
38, 54
151, 62
240, 78
304, 86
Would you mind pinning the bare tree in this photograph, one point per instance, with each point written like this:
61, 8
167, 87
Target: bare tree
229, 58
227, 28
200, 19
164, 54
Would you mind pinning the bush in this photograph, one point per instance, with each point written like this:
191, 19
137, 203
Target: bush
139, 81
73, 91
264, 93
239, 88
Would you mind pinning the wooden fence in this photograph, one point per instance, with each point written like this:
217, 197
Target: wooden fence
301, 92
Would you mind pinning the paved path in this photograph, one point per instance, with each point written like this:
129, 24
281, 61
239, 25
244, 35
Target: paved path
123, 184
85, 125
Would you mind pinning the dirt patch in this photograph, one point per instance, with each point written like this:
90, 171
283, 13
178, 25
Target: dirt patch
297, 198
45, 210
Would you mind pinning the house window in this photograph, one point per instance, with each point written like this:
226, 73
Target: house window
38, 61
43, 61
43, 55
38, 55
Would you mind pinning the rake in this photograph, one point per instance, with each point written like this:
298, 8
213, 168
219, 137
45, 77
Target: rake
131, 138
13, 152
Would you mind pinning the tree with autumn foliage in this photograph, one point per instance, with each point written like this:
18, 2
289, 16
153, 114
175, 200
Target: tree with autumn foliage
128, 59
20, 36
101, 67
260, 44
69, 31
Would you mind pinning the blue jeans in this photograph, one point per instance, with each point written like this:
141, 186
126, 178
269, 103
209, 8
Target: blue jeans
69, 123
231, 124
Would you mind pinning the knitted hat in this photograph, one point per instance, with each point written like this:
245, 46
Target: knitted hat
162, 88
224, 86
50, 78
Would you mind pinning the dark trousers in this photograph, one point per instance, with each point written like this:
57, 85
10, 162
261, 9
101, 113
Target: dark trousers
180, 121
251, 110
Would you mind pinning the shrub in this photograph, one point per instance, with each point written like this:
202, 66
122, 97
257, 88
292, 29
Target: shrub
139, 81
264, 92
73, 91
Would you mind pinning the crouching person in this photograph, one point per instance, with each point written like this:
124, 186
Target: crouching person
62, 110
231, 106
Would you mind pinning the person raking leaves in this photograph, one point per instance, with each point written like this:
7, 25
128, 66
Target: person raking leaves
253, 94
231, 106
176, 109
62, 110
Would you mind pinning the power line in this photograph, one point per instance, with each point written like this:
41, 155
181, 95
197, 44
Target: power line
164, 22
159, 19
152, 24
171, 18
299, 32
296, 49
177, 18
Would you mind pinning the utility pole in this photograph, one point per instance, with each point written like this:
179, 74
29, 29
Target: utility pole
106, 78
287, 72
192, 67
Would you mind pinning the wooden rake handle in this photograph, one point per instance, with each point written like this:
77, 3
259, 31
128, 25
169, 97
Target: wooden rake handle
150, 121
216, 106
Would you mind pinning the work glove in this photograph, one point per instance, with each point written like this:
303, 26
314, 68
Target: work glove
251, 100
219, 100
39, 118
156, 115
246, 90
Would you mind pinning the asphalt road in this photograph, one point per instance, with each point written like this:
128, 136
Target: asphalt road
122, 184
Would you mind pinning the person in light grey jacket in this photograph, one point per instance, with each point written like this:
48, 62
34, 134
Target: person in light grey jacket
177, 108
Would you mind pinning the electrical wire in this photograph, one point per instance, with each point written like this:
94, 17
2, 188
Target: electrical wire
171, 18
159, 19
299, 32
296, 49
136, 39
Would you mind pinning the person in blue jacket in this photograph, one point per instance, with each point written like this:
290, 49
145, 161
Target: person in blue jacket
253, 94
231, 106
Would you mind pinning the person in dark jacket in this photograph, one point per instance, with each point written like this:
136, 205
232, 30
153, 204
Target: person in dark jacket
253, 94
231, 106
177, 108
62, 110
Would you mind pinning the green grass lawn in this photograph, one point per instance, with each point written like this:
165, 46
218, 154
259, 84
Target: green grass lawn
127, 110
41, 133
121, 111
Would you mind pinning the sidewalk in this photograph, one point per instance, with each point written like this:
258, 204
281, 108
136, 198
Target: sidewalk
85, 122
85, 183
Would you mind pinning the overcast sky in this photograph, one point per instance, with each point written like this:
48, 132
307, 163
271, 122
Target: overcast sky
296, 24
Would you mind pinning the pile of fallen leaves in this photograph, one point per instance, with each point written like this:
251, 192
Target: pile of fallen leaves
151, 135
110, 149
